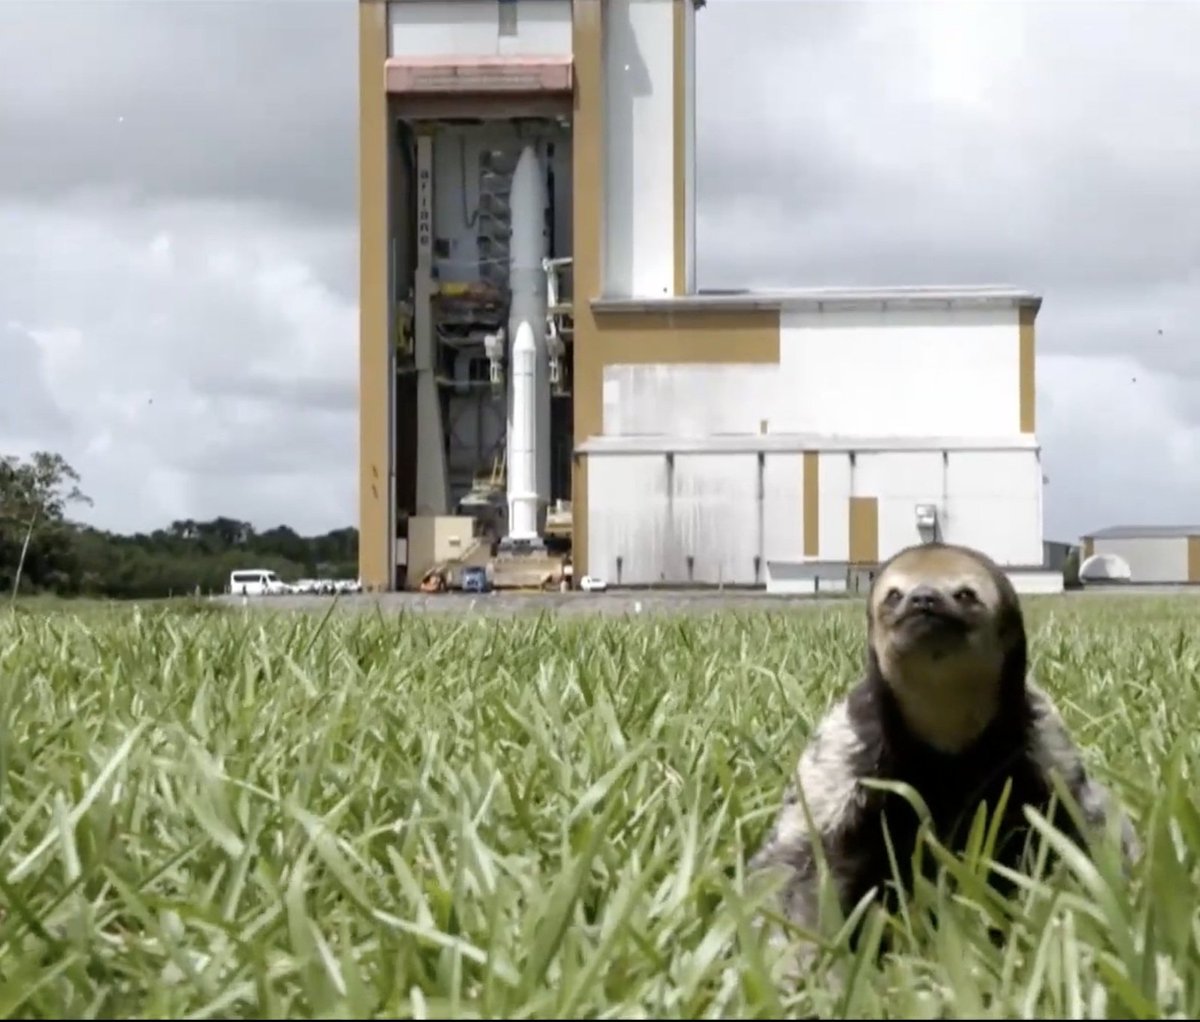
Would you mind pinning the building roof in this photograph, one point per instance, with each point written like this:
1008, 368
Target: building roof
820, 299
1144, 532
742, 443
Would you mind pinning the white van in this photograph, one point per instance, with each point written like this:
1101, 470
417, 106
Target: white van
256, 582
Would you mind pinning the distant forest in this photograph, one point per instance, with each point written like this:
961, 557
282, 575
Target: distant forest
52, 553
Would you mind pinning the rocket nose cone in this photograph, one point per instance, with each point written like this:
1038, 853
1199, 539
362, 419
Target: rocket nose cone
524, 341
527, 176
526, 164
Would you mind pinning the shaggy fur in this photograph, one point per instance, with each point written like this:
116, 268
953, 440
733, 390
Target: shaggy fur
944, 706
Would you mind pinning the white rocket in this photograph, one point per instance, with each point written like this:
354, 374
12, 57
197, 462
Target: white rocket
522, 433
529, 390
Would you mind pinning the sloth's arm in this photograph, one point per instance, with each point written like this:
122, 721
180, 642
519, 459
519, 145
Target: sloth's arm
791, 847
1055, 754
821, 801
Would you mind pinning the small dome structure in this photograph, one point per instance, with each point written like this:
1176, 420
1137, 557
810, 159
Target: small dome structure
1104, 568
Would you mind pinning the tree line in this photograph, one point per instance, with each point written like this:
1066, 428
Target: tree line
44, 550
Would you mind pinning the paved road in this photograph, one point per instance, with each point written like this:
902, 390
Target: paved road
568, 604
611, 604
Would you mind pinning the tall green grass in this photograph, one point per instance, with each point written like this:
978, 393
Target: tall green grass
234, 814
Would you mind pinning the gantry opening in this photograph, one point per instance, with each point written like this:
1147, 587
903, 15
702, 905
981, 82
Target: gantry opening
464, 272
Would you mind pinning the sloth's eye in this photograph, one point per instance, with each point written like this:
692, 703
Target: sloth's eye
892, 597
966, 594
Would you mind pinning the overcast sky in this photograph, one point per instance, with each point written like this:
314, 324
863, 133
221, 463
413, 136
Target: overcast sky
178, 262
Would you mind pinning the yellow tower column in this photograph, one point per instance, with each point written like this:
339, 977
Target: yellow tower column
683, 102
375, 426
634, 184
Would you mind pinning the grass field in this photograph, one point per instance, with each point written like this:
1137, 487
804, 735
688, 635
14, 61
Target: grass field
230, 814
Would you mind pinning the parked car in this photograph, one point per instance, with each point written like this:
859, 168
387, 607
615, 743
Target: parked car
257, 582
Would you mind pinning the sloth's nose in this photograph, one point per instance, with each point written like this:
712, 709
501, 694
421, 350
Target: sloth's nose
925, 598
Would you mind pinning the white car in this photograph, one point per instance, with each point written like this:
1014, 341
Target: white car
257, 582
590, 584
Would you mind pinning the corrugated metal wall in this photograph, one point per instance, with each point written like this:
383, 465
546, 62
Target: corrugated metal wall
1150, 558
686, 518
716, 518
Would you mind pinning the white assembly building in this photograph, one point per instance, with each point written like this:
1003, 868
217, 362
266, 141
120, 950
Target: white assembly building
540, 371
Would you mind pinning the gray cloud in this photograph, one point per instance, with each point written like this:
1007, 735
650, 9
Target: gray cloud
1044, 148
29, 413
1121, 451
201, 358
180, 253
310, 394
1062, 172
228, 99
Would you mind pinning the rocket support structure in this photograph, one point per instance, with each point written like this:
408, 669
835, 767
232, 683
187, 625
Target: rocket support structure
433, 491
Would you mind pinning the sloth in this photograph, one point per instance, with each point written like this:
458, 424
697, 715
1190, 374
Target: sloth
944, 706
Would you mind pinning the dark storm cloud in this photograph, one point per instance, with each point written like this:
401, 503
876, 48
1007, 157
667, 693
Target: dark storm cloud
241, 99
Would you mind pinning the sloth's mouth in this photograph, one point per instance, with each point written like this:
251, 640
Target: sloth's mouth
933, 618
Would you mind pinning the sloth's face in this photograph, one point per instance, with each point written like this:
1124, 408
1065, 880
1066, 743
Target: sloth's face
933, 600
941, 630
